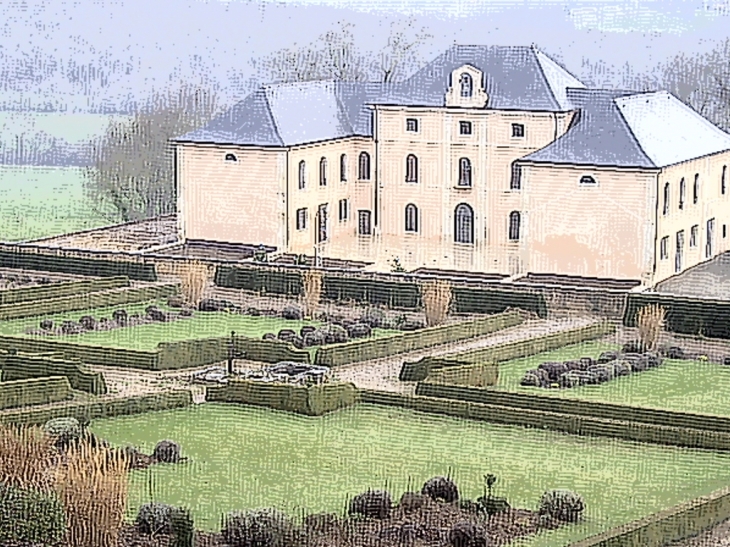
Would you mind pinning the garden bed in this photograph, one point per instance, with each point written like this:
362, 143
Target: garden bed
311, 465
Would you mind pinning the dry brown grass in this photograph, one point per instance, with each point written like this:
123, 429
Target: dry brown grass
650, 322
436, 295
26, 456
312, 284
195, 276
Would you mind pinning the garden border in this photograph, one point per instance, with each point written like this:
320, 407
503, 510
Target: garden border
33, 391
61, 289
22, 367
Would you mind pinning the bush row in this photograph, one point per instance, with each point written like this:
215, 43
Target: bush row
375, 348
57, 290
309, 400
35, 391
475, 375
98, 299
104, 408
16, 367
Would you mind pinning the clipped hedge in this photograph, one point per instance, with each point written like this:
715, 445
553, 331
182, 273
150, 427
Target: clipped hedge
18, 258
30, 517
103, 408
16, 367
374, 348
673, 524
309, 400
684, 315
98, 299
470, 300
474, 375
415, 371
260, 279
371, 291
58, 290
555, 421
35, 391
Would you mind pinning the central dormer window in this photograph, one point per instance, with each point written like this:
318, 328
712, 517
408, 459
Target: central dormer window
464, 128
467, 85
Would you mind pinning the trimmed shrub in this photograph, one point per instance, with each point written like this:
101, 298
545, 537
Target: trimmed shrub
634, 346
269, 336
492, 505
292, 312
607, 356
253, 312
167, 452
321, 523
297, 342
604, 373
88, 322
63, 430
411, 501
257, 528
175, 301
411, 325
586, 362
183, 527
441, 489
467, 534
335, 334
30, 517
675, 352
154, 518
186, 312
120, 317
622, 367
71, 327
530, 379
554, 370
571, 379
156, 314
47, 324
373, 317
652, 360
375, 504
306, 329
563, 505
359, 330
286, 334
316, 338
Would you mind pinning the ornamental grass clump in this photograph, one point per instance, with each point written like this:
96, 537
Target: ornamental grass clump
563, 505
312, 284
650, 321
194, 278
436, 295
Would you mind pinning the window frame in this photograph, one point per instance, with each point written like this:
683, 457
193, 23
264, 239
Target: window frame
466, 128
344, 210
682, 194
301, 219
343, 167
230, 156
466, 85
411, 219
664, 248
723, 181
587, 180
323, 171
696, 190
693, 233
465, 179
363, 166
515, 179
460, 229
666, 199
411, 168
514, 230
414, 123
302, 173
364, 214
518, 130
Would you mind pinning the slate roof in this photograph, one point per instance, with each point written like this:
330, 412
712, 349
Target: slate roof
631, 129
516, 78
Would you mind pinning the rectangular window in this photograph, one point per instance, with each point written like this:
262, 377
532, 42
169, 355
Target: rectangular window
664, 248
723, 180
363, 223
693, 232
679, 252
696, 189
515, 182
322, 232
412, 125
464, 128
709, 244
518, 130
724, 231
344, 210
302, 219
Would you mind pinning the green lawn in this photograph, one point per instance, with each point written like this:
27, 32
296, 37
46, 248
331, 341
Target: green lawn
685, 386
43, 201
247, 457
146, 337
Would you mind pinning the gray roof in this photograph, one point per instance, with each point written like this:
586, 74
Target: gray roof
516, 78
632, 129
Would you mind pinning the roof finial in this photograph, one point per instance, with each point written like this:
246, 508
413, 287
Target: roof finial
534, 46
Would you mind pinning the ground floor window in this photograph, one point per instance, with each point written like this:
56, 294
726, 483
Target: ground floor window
363, 223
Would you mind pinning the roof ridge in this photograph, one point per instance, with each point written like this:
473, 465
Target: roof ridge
533, 54
270, 112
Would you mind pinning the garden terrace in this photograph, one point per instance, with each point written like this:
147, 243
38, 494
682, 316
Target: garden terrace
209, 250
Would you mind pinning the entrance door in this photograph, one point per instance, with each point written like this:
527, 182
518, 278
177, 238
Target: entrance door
679, 252
710, 243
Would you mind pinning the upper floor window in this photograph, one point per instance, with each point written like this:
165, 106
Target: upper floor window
411, 168
464, 128
344, 210
514, 225
323, 172
464, 172
301, 219
412, 125
682, 193
343, 168
664, 248
723, 180
363, 172
411, 218
693, 232
467, 85
696, 189
515, 182
518, 130
665, 208
302, 174
363, 223
587, 179
231, 157
463, 224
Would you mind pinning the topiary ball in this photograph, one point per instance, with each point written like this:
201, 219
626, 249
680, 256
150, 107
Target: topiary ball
441, 489
292, 312
257, 528
467, 534
167, 452
411, 501
375, 504
563, 505
154, 518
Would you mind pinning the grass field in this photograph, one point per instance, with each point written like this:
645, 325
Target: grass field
146, 337
245, 457
685, 386
43, 201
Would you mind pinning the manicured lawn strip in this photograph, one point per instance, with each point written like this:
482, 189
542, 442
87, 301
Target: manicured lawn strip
146, 337
682, 386
245, 457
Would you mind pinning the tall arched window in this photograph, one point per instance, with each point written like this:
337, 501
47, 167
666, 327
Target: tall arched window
467, 85
665, 208
696, 189
364, 166
682, 193
514, 225
343, 168
723, 180
411, 168
463, 224
411, 218
302, 174
323, 172
464, 172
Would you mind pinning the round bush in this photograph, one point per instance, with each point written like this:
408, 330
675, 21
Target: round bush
441, 489
562, 505
359, 330
257, 528
335, 334
638, 364
120, 317
154, 518
375, 504
29, 517
47, 324
292, 312
675, 352
553, 369
604, 372
571, 379
63, 430
633, 346
571, 366
175, 301
286, 334
373, 317
530, 379
607, 356
652, 359
321, 523
622, 367
167, 452
411, 501
187, 312
306, 329
586, 362
269, 336
297, 342
316, 338
467, 534
253, 312
88, 322
156, 314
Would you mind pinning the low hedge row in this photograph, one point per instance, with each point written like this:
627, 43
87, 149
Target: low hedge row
567, 423
35, 391
58, 290
374, 348
103, 408
309, 400
673, 524
15, 367
475, 374
98, 299
472, 300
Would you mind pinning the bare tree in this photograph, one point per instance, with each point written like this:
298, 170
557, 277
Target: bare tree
132, 176
402, 51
